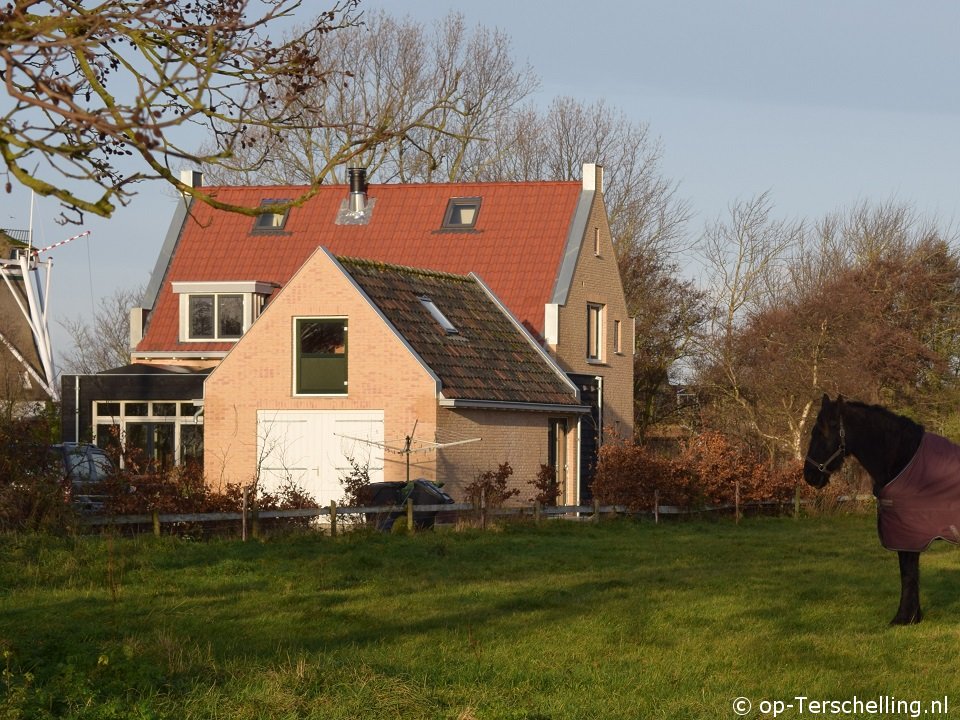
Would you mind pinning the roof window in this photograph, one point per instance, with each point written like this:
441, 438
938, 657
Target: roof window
268, 222
437, 315
461, 213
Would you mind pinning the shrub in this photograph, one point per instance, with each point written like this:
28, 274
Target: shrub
492, 486
548, 490
33, 495
706, 472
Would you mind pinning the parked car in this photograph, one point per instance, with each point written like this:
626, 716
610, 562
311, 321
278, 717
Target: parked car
85, 468
423, 492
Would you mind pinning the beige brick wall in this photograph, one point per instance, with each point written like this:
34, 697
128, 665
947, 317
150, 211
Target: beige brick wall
258, 374
520, 438
596, 280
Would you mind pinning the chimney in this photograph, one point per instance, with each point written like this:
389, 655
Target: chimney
358, 189
191, 178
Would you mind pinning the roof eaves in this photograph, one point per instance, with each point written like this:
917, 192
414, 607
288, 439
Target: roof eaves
174, 233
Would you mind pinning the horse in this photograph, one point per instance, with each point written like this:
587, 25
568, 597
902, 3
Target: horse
916, 480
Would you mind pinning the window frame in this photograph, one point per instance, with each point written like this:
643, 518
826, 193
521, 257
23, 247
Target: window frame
253, 297
299, 389
456, 205
595, 334
260, 224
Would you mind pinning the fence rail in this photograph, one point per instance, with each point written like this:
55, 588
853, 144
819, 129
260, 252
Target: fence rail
251, 516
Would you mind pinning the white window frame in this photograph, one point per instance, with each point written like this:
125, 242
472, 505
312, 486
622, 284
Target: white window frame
254, 296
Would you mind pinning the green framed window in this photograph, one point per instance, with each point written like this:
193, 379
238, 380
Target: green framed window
321, 356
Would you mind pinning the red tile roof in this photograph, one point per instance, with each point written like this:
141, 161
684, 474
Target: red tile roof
516, 247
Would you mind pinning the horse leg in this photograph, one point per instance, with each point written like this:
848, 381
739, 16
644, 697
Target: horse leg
909, 611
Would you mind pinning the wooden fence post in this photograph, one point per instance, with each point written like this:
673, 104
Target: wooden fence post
156, 523
656, 507
483, 508
536, 513
254, 518
736, 501
796, 503
244, 510
596, 510
410, 527
333, 518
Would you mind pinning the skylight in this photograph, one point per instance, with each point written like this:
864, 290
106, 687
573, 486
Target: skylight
271, 221
461, 213
441, 319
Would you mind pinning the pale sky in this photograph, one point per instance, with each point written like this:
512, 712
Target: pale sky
825, 103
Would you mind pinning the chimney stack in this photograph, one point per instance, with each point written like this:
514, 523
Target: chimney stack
358, 188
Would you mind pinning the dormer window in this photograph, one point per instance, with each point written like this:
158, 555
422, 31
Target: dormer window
461, 213
219, 311
269, 222
448, 327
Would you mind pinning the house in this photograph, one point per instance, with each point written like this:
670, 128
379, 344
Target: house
26, 360
543, 249
402, 372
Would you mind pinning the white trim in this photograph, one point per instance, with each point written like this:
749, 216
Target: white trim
556, 408
551, 324
185, 355
257, 287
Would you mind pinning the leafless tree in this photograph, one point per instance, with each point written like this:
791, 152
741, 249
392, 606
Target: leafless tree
103, 341
100, 95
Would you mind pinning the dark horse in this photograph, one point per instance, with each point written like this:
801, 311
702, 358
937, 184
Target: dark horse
916, 479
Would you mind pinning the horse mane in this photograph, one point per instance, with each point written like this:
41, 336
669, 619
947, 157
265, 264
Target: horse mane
887, 417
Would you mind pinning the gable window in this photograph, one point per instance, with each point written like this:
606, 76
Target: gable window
594, 332
271, 221
461, 213
617, 342
320, 356
219, 311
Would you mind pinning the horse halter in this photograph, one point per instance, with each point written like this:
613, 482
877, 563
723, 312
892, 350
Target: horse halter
841, 451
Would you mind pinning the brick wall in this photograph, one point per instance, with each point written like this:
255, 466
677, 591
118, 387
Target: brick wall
520, 438
596, 279
258, 374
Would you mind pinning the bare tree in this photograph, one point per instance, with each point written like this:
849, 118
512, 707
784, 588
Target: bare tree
101, 94
428, 94
103, 341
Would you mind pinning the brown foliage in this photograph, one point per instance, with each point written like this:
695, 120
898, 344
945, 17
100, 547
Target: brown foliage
706, 472
492, 486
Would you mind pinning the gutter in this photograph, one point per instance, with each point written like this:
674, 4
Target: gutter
462, 403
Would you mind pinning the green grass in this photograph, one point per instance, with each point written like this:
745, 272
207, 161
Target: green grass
621, 620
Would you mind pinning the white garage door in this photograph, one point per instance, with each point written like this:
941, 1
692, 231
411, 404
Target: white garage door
313, 448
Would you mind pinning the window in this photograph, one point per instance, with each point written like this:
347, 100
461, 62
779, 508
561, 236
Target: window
596, 242
616, 337
215, 317
461, 213
321, 356
271, 221
150, 432
437, 315
594, 332
219, 310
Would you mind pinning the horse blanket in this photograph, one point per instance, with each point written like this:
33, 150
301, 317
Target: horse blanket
922, 503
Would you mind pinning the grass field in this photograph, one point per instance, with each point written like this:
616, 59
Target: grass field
620, 620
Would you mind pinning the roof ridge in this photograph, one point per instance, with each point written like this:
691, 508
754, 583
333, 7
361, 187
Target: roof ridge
379, 265
344, 185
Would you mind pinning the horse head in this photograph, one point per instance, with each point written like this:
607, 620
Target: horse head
828, 443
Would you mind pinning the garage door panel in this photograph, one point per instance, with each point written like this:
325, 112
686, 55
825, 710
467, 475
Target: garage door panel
312, 448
